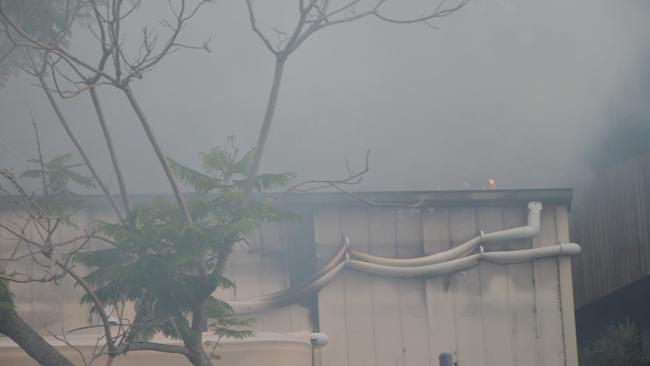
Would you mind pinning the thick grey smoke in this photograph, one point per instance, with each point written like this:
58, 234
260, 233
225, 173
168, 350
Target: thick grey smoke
517, 90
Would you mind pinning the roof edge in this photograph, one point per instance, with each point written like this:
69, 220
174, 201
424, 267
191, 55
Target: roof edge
308, 200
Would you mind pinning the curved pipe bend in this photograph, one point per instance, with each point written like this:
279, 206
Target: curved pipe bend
289, 295
460, 264
452, 260
522, 232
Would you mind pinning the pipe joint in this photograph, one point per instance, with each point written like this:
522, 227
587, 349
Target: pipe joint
535, 206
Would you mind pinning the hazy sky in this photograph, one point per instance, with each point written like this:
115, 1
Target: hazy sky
517, 90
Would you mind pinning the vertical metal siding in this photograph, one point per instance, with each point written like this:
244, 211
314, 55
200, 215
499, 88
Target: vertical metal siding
495, 304
610, 217
521, 298
489, 315
387, 336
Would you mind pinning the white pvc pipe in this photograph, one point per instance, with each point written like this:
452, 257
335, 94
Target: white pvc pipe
440, 263
287, 296
336, 259
460, 264
447, 255
527, 255
522, 232
456, 265
291, 294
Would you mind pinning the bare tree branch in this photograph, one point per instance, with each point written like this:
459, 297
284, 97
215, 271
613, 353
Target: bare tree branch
33, 43
305, 27
111, 149
440, 12
315, 185
253, 22
152, 346
266, 128
73, 138
64, 339
180, 199
99, 306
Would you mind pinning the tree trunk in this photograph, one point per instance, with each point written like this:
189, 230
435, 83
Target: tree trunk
199, 358
159, 153
25, 336
111, 149
194, 343
266, 127
75, 142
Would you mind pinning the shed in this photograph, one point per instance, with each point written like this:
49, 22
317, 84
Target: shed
486, 308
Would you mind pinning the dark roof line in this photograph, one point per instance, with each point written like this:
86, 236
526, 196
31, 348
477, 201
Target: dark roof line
457, 198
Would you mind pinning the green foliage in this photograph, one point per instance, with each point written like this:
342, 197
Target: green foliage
225, 172
58, 174
165, 265
619, 346
224, 326
232, 327
44, 20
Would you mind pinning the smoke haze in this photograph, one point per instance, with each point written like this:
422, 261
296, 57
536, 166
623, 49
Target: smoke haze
515, 90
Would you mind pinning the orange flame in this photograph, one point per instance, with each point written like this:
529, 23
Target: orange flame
492, 183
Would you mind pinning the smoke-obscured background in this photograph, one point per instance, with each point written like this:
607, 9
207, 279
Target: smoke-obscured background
528, 92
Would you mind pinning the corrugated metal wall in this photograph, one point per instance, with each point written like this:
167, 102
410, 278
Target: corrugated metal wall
611, 216
489, 315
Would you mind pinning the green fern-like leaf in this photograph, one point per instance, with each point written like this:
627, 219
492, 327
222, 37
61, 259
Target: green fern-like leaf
233, 327
60, 160
201, 183
216, 161
88, 182
243, 166
269, 181
32, 173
